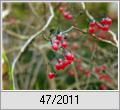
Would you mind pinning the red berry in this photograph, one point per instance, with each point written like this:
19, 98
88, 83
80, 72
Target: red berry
62, 65
57, 66
61, 9
91, 30
103, 87
108, 21
59, 37
55, 46
64, 44
51, 75
69, 17
97, 69
66, 14
66, 62
105, 77
69, 56
105, 28
103, 21
92, 24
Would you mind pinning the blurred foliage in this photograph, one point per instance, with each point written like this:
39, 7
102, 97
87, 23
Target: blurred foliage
31, 71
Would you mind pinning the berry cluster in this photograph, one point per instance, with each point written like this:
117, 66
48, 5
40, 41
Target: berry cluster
79, 67
101, 74
66, 14
99, 69
103, 25
61, 64
59, 41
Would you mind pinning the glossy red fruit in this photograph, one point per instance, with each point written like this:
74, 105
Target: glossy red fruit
65, 14
59, 37
69, 17
108, 20
51, 75
103, 21
62, 66
55, 46
64, 44
61, 9
66, 62
92, 24
57, 66
105, 28
103, 87
69, 56
91, 30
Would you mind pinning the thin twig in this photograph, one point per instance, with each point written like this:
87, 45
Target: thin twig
29, 41
33, 10
93, 35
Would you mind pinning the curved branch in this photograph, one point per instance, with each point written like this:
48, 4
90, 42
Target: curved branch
29, 41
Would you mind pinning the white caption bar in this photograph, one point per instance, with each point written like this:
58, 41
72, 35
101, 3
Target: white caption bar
61, 100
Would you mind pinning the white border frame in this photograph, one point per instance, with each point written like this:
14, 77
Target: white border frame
60, 90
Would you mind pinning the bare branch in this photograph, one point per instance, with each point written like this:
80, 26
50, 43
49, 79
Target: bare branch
29, 41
